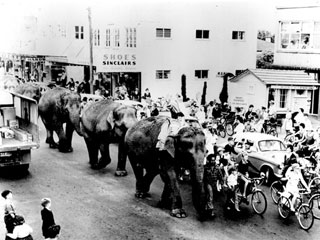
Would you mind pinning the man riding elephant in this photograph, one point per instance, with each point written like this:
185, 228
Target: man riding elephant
56, 107
148, 153
105, 122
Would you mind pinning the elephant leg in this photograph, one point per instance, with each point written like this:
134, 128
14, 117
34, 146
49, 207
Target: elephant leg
63, 143
93, 149
49, 139
168, 174
138, 172
69, 134
122, 160
165, 201
105, 156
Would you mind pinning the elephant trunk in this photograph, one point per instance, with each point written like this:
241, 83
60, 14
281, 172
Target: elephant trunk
198, 191
75, 119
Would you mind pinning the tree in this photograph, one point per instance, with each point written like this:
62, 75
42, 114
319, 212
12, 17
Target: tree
265, 59
183, 88
204, 93
224, 92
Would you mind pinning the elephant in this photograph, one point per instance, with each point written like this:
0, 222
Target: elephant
56, 107
102, 123
184, 149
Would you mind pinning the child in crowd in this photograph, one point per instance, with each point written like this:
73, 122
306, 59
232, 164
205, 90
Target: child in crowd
9, 210
47, 217
212, 179
232, 183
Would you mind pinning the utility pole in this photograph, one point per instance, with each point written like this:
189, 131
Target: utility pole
90, 48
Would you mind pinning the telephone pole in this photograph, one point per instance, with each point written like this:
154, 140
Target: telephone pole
90, 49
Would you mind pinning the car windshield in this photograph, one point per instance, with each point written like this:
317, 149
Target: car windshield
271, 145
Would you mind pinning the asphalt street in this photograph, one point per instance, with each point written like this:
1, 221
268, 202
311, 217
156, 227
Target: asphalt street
91, 204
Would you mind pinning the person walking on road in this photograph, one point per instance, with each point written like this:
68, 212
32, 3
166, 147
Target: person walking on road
9, 211
47, 217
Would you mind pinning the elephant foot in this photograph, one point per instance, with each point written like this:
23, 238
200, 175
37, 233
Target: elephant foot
142, 195
53, 145
98, 166
121, 173
178, 213
66, 150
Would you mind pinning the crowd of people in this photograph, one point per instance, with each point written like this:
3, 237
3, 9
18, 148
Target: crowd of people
17, 228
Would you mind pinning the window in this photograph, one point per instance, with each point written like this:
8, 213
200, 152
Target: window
201, 74
299, 35
79, 32
117, 37
238, 35
131, 37
163, 33
202, 34
283, 98
96, 37
163, 74
108, 38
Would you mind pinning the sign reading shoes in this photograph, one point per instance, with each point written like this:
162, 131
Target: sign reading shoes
119, 59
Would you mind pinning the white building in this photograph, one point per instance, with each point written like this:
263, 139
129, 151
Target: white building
201, 41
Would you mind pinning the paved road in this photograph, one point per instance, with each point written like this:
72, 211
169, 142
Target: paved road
92, 204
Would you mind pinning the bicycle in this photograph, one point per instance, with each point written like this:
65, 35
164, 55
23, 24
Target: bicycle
302, 210
277, 188
270, 128
258, 198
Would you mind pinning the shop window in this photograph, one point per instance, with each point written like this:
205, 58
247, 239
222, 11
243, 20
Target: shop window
79, 32
300, 35
283, 98
238, 35
163, 33
201, 74
131, 37
163, 74
96, 37
202, 34
117, 37
108, 38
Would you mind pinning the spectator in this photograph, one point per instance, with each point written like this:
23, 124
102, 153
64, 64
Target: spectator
71, 84
216, 111
47, 217
240, 126
232, 183
147, 95
63, 79
307, 122
154, 110
9, 210
272, 113
136, 95
21, 230
249, 114
200, 114
287, 124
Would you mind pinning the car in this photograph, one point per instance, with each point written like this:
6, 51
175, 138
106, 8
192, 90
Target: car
267, 155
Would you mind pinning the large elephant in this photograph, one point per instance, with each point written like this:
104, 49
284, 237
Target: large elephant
56, 107
104, 122
186, 148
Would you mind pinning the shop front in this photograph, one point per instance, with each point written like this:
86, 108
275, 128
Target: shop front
117, 75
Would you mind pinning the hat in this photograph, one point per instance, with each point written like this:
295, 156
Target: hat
19, 219
5, 193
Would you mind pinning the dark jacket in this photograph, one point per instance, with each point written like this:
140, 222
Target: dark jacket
47, 221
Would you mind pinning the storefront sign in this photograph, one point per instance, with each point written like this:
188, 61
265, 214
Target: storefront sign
119, 59
35, 59
294, 87
238, 102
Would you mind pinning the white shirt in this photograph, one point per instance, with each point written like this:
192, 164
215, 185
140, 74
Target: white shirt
21, 231
239, 128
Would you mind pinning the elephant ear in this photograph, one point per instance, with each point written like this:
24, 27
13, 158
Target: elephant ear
62, 103
110, 119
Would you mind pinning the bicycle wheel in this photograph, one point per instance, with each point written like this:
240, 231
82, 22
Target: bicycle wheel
314, 203
229, 129
284, 207
276, 189
314, 185
259, 202
305, 216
